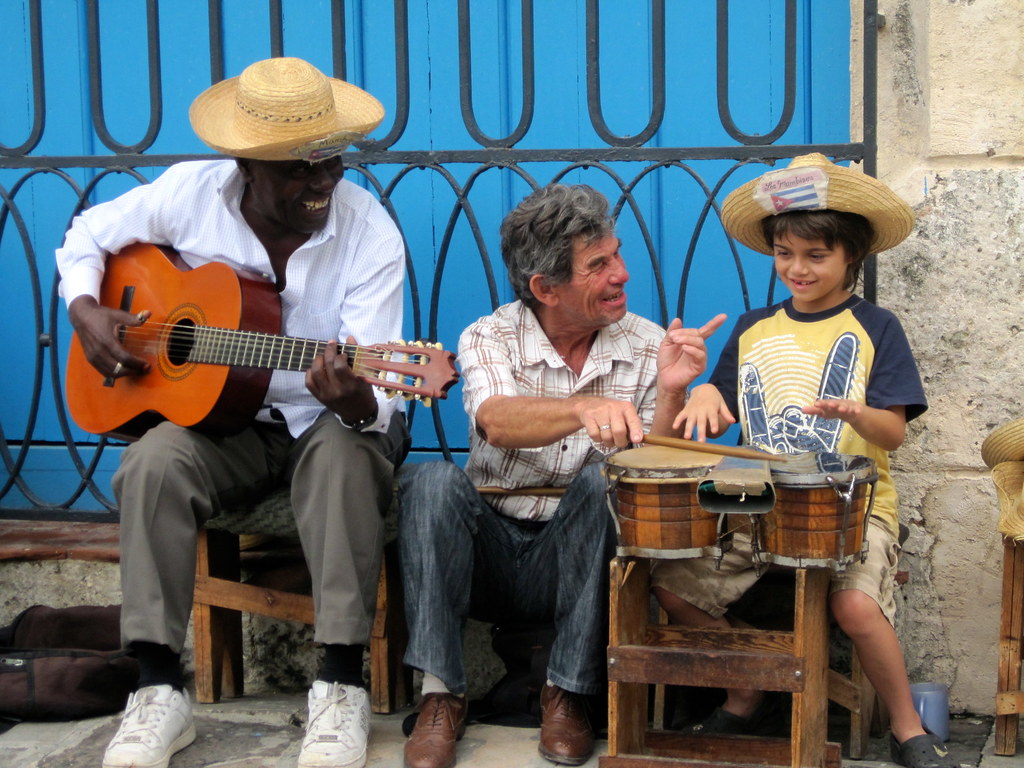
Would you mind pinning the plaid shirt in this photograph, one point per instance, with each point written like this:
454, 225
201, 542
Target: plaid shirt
508, 353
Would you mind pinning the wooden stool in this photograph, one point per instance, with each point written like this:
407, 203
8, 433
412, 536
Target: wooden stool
1003, 453
853, 693
642, 654
769, 605
1009, 697
1008, 477
220, 598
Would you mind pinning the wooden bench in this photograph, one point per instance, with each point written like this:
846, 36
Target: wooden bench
221, 596
32, 540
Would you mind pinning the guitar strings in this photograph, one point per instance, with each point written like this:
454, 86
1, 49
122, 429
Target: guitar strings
228, 334
180, 343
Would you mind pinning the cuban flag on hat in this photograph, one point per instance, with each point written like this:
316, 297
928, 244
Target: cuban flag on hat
793, 189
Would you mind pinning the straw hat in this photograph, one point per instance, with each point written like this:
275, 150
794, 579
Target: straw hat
283, 109
813, 183
1005, 443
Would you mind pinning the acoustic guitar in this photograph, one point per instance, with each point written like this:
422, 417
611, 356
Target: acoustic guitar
212, 341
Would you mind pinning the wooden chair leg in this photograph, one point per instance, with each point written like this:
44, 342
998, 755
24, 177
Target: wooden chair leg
862, 718
810, 631
390, 679
659, 703
217, 632
1009, 697
628, 619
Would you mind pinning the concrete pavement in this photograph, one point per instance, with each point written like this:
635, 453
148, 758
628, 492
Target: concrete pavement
265, 731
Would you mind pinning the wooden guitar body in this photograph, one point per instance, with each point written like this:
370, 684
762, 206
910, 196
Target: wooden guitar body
216, 397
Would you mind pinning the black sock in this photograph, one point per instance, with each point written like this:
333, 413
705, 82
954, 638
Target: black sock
342, 664
158, 664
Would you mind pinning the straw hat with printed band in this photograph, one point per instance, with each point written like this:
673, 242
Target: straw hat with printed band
813, 182
283, 109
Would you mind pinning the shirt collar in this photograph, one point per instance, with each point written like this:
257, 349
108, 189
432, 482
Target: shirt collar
610, 345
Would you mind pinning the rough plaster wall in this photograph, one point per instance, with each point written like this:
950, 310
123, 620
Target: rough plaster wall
57, 583
951, 141
954, 284
972, 114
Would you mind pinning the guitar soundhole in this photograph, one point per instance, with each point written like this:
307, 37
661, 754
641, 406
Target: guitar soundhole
181, 342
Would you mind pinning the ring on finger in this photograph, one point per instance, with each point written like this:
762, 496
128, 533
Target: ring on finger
603, 427
118, 368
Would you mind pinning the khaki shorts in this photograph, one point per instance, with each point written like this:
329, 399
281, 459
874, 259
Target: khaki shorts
698, 582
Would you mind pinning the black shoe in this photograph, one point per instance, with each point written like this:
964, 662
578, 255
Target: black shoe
767, 720
924, 751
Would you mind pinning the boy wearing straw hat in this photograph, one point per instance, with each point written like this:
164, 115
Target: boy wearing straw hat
277, 206
822, 371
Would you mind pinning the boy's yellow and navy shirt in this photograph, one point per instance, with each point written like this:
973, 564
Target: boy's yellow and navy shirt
779, 360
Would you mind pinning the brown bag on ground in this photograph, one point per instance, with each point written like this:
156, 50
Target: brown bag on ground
64, 664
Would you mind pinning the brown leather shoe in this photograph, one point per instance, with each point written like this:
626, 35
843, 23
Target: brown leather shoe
441, 723
565, 733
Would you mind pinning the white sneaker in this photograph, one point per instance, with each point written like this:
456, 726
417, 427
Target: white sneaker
157, 723
338, 727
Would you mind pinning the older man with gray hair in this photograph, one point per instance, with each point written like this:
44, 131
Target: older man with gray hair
552, 383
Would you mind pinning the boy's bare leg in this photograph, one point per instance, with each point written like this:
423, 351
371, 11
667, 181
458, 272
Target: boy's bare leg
881, 658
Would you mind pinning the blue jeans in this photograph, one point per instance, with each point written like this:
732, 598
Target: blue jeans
460, 558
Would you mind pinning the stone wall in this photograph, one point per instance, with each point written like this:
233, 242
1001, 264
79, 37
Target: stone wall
951, 142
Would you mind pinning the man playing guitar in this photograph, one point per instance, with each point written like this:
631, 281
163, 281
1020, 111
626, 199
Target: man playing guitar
277, 207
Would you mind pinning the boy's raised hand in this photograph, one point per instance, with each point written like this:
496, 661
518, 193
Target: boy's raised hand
683, 355
704, 415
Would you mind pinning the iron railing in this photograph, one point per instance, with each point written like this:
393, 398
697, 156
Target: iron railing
383, 165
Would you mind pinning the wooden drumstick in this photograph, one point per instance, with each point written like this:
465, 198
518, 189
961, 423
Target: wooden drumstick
721, 450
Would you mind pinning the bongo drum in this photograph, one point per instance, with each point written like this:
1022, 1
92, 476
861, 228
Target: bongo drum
820, 515
652, 491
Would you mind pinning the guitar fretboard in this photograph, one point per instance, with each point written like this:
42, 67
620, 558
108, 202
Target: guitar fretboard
223, 346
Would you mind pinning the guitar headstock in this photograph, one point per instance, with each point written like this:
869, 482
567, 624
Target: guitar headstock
417, 370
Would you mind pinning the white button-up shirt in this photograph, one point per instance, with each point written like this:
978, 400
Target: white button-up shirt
346, 280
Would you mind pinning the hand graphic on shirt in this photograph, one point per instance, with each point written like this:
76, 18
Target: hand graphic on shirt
791, 430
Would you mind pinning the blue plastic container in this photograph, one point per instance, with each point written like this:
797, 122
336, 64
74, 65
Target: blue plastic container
931, 700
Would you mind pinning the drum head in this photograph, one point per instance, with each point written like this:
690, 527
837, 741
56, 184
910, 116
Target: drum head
814, 469
659, 462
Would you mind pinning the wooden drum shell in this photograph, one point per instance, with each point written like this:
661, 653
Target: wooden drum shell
653, 493
808, 524
820, 521
663, 516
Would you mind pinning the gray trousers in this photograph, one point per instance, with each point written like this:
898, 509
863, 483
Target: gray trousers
174, 479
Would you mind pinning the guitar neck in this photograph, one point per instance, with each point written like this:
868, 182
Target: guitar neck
252, 349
